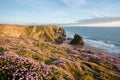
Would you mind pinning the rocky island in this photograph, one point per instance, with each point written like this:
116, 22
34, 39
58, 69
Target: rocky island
38, 53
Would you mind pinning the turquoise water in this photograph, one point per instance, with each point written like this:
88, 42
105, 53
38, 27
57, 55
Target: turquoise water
105, 39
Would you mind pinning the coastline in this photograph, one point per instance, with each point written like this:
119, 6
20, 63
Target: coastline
86, 47
40, 59
103, 39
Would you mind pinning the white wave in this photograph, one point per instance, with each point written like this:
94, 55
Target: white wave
109, 47
69, 35
114, 42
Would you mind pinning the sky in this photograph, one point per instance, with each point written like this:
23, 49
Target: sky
58, 11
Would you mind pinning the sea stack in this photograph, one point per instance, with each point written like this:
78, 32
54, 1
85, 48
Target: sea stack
78, 40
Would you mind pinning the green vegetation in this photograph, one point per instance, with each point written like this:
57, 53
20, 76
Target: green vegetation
5, 41
2, 49
37, 56
39, 29
47, 33
74, 69
87, 77
68, 67
28, 31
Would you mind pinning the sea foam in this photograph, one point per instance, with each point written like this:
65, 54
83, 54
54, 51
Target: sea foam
104, 46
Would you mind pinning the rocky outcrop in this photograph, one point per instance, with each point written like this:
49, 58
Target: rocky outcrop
78, 40
62, 36
47, 33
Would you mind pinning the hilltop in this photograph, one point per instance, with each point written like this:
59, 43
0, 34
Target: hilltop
33, 53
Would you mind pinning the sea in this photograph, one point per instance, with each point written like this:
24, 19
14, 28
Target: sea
106, 39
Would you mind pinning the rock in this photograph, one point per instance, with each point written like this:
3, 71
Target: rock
69, 38
78, 40
62, 36
59, 40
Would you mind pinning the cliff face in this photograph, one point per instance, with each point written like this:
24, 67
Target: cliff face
47, 33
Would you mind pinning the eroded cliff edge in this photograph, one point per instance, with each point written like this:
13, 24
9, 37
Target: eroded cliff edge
46, 33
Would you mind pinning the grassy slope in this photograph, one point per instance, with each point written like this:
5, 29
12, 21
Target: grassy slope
25, 53
31, 58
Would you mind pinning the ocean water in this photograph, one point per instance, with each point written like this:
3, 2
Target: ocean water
106, 39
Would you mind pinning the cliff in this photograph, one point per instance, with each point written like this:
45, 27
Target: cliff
47, 33
32, 58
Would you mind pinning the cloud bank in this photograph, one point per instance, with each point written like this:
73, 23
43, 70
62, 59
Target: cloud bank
99, 20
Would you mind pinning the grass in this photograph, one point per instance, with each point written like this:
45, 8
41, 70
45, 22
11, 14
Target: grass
3, 49
74, 70
20, 46
47, 36
100, 69
75, 67
32, 55
41, 46
5, 41
28, 31
80, 57
39, 28
87, 77
25, 53
94, 66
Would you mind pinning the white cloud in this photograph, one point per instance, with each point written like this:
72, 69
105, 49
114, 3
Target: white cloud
75, 3
108, 24
99, 20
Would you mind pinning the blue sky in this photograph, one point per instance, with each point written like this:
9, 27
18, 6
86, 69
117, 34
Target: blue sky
55, 11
